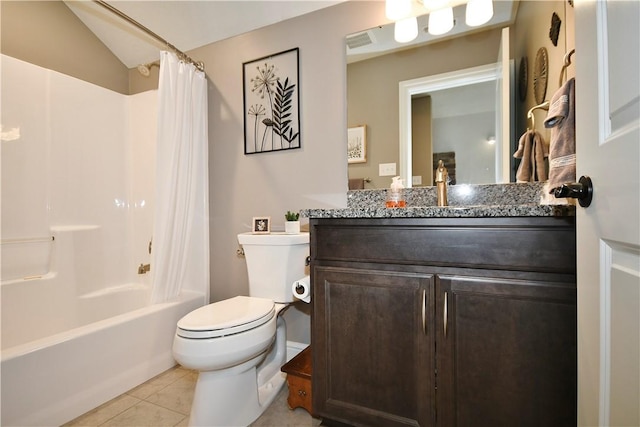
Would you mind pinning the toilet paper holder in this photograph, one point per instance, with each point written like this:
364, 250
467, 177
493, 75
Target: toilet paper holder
301, 289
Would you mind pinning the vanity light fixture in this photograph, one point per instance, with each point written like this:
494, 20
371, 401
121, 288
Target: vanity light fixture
406, 29
406, 26
436, 4
491, 140
440, 21
397, 9
478, 12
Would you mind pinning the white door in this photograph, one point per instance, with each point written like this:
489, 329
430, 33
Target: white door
608, 232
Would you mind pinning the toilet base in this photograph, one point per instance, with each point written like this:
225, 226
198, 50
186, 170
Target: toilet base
232, 400
239, 395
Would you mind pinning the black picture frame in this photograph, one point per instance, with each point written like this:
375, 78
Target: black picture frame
261, 225
271, 95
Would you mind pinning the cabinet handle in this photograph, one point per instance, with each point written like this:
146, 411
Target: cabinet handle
424, 311
445, 314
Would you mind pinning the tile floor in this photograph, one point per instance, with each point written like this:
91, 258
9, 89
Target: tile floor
166, 401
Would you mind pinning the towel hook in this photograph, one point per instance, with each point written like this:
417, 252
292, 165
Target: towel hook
531, 117
565, 65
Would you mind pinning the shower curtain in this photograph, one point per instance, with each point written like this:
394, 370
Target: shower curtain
180, 250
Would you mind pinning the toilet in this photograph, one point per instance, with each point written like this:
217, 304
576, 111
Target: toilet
239, 345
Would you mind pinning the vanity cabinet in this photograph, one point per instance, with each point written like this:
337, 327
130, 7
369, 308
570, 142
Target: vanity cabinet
373, 355
444, 322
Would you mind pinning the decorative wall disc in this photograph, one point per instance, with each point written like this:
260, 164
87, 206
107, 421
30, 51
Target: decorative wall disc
523, 78
540, 75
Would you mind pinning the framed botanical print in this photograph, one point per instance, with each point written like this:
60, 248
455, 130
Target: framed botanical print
357, 144
271, 103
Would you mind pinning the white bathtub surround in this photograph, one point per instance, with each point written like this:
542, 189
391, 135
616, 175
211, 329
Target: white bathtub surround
57, 378
181, 228
77, 327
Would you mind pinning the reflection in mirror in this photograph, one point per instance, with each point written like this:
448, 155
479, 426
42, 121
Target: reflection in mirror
451, 117
373, 96
475, 142
373, 81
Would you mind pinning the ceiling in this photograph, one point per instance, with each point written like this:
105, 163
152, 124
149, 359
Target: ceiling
185, 24
189, 24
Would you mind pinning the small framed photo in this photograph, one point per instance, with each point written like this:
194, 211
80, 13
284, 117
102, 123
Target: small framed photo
357, 144
261, 224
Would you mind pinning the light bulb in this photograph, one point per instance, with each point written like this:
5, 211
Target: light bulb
435, 4
478, 12
406, 30
440, 21
397, 9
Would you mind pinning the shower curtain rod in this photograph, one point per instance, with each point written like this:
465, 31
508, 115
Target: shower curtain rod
183, 56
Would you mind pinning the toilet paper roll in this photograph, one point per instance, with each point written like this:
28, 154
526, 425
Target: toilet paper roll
301, 289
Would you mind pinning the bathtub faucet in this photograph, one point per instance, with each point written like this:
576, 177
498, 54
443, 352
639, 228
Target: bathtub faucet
144, 268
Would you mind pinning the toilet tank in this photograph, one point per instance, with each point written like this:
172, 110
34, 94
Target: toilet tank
274, 262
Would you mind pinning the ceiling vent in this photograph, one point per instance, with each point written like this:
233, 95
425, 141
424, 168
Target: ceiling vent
361, 39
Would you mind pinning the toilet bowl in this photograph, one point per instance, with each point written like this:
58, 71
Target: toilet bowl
239, 345
229, 342
205, 341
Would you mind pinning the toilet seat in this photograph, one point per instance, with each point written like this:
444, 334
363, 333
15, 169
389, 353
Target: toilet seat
228, 317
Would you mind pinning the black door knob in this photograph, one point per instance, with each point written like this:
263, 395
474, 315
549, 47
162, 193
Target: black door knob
581, 190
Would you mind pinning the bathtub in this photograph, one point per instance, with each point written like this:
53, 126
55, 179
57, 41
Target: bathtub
66, 351
55, 379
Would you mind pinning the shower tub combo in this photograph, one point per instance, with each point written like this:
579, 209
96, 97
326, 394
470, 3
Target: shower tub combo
64, 354
77, 215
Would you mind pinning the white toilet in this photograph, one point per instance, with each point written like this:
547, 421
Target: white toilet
238, 345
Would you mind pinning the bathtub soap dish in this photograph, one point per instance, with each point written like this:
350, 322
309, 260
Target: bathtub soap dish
298, 372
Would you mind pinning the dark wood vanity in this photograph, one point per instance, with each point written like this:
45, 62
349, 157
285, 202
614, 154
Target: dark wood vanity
444, 321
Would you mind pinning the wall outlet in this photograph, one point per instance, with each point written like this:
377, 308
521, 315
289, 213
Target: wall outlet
416, 180
387, 169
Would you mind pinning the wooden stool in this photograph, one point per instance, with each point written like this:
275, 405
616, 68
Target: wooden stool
298, 372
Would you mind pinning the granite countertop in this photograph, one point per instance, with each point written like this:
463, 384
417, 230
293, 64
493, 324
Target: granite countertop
465, 201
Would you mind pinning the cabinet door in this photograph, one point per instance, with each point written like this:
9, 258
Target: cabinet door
506, 352
373, 347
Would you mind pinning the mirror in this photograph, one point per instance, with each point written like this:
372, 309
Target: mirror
454, 117
375, 97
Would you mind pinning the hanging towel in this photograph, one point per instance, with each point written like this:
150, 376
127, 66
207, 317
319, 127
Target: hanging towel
532, 149
562, 149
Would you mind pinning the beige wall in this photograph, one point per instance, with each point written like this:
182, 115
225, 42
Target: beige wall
372, 94
271, 183
48, 34
421, 140
532, 32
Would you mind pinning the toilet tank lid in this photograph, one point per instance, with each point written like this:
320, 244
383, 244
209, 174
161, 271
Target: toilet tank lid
273, 239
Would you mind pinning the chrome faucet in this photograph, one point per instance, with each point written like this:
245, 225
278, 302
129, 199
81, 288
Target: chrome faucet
144, 268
